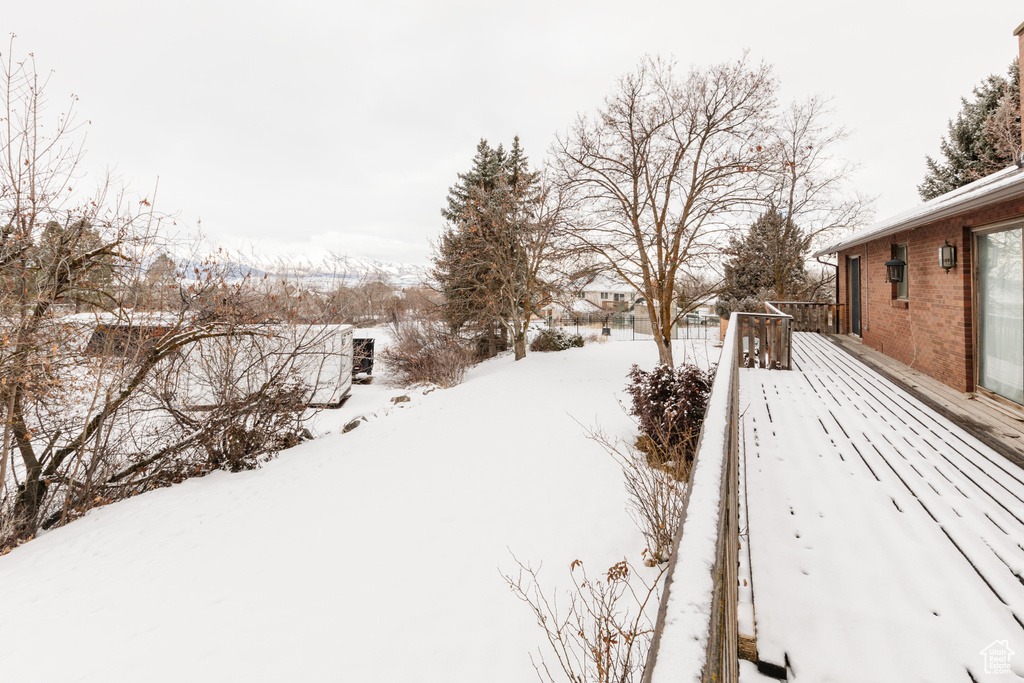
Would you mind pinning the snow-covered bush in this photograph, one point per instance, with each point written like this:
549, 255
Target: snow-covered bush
670, 404
424, 352
749, 304
555, 340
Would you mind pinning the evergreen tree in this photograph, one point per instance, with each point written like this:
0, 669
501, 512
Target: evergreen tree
766, 263
983, 139
161, 284
466, 282
488, 168
484, 259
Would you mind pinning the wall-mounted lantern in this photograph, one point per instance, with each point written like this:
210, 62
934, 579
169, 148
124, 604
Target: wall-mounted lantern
894, 270
947, 256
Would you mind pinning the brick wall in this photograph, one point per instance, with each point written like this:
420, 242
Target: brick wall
932, 330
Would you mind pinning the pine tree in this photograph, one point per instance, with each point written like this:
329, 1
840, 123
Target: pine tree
767, 262
488, 168
485, 259
983, 139
469, 296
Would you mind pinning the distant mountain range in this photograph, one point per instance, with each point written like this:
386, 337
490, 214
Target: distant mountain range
355, 268
350, 270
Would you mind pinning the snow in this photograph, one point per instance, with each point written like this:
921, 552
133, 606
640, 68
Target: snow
372, 555
884, 540
585, 306
684, 637
611, 285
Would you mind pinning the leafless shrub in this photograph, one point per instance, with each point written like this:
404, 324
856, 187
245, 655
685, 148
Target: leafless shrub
236, 400
655, 487
426, 352
237, 432
80, 349
604, 632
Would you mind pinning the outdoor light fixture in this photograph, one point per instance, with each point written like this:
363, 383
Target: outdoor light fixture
947, 256
894, 270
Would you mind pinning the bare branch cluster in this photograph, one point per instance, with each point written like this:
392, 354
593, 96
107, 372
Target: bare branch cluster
104, 338
425, 351
603, 633
659, 170
655, 490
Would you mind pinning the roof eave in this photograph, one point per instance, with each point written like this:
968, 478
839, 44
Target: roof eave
999, 195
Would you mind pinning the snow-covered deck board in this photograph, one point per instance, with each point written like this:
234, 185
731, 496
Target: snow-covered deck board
886, 542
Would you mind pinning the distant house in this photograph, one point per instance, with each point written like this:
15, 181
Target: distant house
598, 296
950, 302
572, 308
609, 295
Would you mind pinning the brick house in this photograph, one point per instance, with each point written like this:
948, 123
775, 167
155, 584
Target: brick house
962, 325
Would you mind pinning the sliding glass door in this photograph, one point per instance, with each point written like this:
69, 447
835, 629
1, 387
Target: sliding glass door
1001, 313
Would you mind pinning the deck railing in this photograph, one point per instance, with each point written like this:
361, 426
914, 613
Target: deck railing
696, 636
812, 316
767, 339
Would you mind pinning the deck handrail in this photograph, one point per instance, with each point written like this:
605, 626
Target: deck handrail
812, 316
767, 338
696, 635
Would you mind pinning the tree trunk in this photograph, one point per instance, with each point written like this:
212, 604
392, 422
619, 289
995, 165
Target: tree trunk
520, 346
29, 503
6, 455
664, 348
663, 331
32, 492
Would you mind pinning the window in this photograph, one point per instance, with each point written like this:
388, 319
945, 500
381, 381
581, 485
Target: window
604, 295
620, 297
902, 288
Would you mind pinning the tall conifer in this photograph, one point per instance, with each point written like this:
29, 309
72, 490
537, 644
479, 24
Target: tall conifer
971, 148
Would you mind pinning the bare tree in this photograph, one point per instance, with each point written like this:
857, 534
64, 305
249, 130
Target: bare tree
809, 190
659, 169
79, 426
1002, 126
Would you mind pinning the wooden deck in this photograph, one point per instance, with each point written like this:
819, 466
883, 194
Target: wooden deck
998, 428
884, 542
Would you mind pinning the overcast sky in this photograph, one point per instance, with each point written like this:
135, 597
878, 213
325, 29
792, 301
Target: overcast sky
305, 127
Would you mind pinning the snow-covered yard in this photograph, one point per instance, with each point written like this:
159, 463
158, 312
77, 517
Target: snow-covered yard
367, 556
